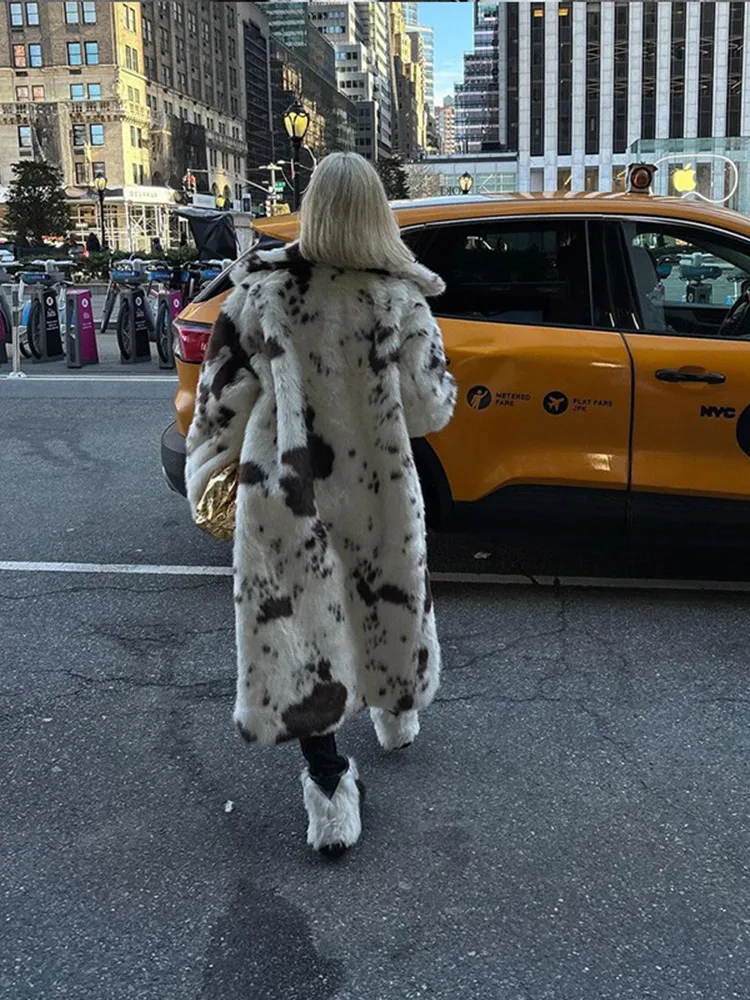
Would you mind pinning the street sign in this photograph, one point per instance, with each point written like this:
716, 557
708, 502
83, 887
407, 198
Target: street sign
280, 185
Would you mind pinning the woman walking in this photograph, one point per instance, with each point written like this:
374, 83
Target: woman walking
323, 364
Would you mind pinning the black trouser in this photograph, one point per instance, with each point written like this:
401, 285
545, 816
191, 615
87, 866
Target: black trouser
325, 762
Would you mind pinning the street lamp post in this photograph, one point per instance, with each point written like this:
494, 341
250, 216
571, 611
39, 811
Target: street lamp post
296, 123
466, 182
100, 183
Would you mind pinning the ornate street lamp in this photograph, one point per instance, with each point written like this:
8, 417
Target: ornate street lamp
100, 185
296, 123
465, 182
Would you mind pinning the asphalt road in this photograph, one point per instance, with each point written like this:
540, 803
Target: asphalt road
572, 824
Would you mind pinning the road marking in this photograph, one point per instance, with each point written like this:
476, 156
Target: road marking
101, 378
483, 579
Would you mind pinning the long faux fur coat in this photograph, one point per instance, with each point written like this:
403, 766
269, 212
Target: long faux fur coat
316, 378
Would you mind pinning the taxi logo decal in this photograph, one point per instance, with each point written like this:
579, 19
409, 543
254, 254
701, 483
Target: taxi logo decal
479, 398
728, 412
555, 403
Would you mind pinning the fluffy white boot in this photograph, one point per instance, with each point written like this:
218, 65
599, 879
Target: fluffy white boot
334, 824
395, 732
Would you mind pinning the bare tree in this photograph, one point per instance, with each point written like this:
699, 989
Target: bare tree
424, 182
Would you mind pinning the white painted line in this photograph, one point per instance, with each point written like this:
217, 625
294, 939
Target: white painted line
114, 569
484, 579
101, 378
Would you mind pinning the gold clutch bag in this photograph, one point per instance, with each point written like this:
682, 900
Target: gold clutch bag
217, 508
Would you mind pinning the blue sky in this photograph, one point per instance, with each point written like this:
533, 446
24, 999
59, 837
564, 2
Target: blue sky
454, 32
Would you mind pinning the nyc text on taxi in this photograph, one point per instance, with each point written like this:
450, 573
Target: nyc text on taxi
602, 348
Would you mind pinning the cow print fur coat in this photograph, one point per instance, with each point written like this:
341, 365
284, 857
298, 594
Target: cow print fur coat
315, 379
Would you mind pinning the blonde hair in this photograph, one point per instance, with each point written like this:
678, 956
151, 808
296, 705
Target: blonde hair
346, 220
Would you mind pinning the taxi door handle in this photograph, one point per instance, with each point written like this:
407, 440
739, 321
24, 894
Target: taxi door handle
680, 375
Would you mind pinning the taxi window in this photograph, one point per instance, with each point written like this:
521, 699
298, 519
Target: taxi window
525, 272
686, 279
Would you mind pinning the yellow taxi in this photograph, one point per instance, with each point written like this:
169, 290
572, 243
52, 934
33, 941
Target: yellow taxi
602, 348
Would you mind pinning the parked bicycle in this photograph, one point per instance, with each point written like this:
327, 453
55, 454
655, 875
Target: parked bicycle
186, 282
45, 276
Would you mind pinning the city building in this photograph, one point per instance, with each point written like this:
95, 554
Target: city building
256, 39
141, 93
580, 89
478, 96
427, 34
410, 13
445, 120
408, 68
303, 68
358, 33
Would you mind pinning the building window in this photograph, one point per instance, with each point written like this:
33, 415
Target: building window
677, 72
537, 80
206, 32
138, 173
75, 54
128, 15
95, 92
89, 12
565, 89
734, 68
32, 13
92, 54
82, 174
19, 57
99, 167
79, 136
178, 11
136, 137
706, 70
148, 30
166, 76
622, 32
24, 137
37, 95
97, 135
182, 83
168, 108
22, 93
35, 56
192, 22
16, 15
593, 75
512, 127
648, 87
77, 92
180, 50
72, 13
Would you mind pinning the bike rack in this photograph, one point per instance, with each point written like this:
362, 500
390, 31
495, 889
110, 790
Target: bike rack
170, 304
80, 333
50, 342
138, 335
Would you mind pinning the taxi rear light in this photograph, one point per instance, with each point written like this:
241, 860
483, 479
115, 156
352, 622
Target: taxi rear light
191, 341
640, 177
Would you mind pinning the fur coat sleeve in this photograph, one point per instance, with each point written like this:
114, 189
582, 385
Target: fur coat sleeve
227, 391
315, 379
428, 391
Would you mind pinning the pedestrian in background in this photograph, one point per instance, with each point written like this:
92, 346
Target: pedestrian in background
324, 363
